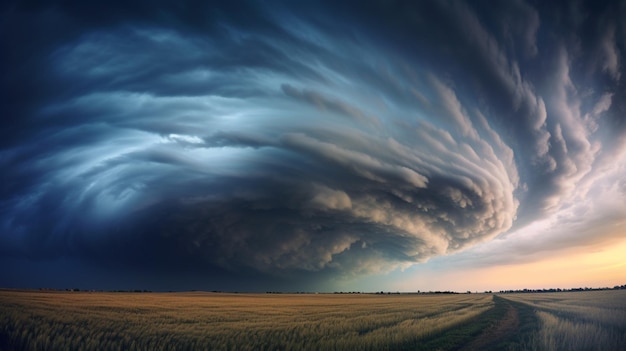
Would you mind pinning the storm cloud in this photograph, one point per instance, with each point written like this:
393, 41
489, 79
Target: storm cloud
291, 141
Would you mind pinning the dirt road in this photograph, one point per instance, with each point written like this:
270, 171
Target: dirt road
497, 332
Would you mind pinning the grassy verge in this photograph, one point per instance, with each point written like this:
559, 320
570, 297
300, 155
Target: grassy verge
454, 338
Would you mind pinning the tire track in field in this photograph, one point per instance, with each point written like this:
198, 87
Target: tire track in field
497, 332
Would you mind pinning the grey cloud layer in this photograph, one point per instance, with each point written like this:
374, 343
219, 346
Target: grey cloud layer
302, 144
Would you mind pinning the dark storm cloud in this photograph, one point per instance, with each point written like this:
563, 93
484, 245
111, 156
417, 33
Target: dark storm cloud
323, 141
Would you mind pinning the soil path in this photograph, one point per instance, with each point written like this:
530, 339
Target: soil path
491, 336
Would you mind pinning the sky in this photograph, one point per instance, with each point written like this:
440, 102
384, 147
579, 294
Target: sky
312, 145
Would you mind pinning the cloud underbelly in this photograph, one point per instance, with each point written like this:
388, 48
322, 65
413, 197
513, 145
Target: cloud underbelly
353, 167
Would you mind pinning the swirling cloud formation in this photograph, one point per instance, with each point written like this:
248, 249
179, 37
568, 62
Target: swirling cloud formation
299, 141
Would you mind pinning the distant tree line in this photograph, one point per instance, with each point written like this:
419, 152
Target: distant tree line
616, 287
93, 290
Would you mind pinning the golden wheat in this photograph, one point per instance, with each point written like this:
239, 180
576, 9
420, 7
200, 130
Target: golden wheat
172, 321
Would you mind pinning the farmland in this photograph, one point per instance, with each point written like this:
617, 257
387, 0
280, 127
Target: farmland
31, 320
593, 320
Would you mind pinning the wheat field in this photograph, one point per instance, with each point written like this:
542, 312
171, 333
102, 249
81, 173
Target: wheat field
209, 321
52, 320
591, 320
